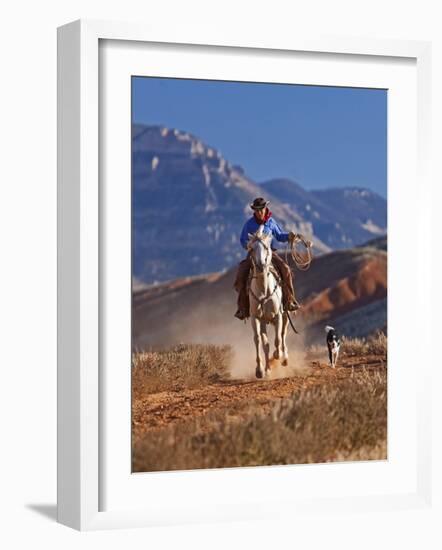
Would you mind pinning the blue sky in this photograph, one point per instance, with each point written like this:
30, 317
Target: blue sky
318, 136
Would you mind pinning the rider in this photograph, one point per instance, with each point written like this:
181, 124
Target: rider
263, 216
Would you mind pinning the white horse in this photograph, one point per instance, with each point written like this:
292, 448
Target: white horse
265, 296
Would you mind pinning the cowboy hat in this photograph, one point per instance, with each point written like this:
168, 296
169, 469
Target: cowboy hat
259, 204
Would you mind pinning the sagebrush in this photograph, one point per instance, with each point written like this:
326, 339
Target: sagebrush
327, 423
183, 366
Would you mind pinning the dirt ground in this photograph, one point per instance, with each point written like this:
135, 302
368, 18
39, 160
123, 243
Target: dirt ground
238, 398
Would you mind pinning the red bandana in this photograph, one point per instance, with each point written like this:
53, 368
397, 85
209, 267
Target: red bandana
266, 217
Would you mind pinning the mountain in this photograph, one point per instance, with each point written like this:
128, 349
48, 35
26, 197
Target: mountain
378, 242
347, 288
189, 205
340, 217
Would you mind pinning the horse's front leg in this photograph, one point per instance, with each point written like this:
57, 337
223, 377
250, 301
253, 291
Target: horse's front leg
265, 345
278, 330
285, 351
257, 339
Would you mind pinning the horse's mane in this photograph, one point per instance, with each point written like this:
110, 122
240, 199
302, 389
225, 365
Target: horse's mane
259, 235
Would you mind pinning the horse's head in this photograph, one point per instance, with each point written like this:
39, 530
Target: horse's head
259, 246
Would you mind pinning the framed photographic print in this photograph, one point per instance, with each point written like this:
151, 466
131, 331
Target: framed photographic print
227, 297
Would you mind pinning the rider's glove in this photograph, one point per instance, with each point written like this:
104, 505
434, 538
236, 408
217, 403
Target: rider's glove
292, 236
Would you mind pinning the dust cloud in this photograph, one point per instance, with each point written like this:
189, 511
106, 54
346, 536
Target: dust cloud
205, 315
239, 336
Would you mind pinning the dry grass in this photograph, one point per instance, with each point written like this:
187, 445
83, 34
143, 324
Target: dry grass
374, 345
184, 366
346, 420
378, 452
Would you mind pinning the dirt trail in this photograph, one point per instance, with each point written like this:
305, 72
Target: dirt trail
238, 397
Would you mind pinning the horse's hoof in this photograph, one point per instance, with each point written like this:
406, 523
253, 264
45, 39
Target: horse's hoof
258, 373
275, 355
285, 362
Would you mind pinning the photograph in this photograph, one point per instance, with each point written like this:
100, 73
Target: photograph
203, 208
259, 274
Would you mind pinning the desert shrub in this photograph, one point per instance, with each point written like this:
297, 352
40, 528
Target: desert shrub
358, 347
346, 420
183, 366
373, 345
378, 452
377, 344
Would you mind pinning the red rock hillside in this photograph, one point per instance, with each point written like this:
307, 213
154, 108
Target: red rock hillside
345, 285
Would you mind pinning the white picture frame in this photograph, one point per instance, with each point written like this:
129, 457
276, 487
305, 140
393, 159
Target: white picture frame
80, 366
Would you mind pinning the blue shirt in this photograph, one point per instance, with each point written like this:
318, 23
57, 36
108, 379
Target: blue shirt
270, 226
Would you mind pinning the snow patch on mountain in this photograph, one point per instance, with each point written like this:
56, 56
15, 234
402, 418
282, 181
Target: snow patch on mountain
373, 228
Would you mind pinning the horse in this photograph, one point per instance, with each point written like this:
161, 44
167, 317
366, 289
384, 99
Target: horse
265, 296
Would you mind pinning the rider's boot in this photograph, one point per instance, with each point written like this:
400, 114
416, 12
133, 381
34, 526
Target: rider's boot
243, 305
240, 314
293, 306
290, 302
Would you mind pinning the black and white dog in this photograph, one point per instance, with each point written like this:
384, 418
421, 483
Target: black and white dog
333, 345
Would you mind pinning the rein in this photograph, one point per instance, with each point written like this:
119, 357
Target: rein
302, 263
262, 301
292, 323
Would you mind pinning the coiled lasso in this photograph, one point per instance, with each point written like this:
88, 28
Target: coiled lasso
301, 261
